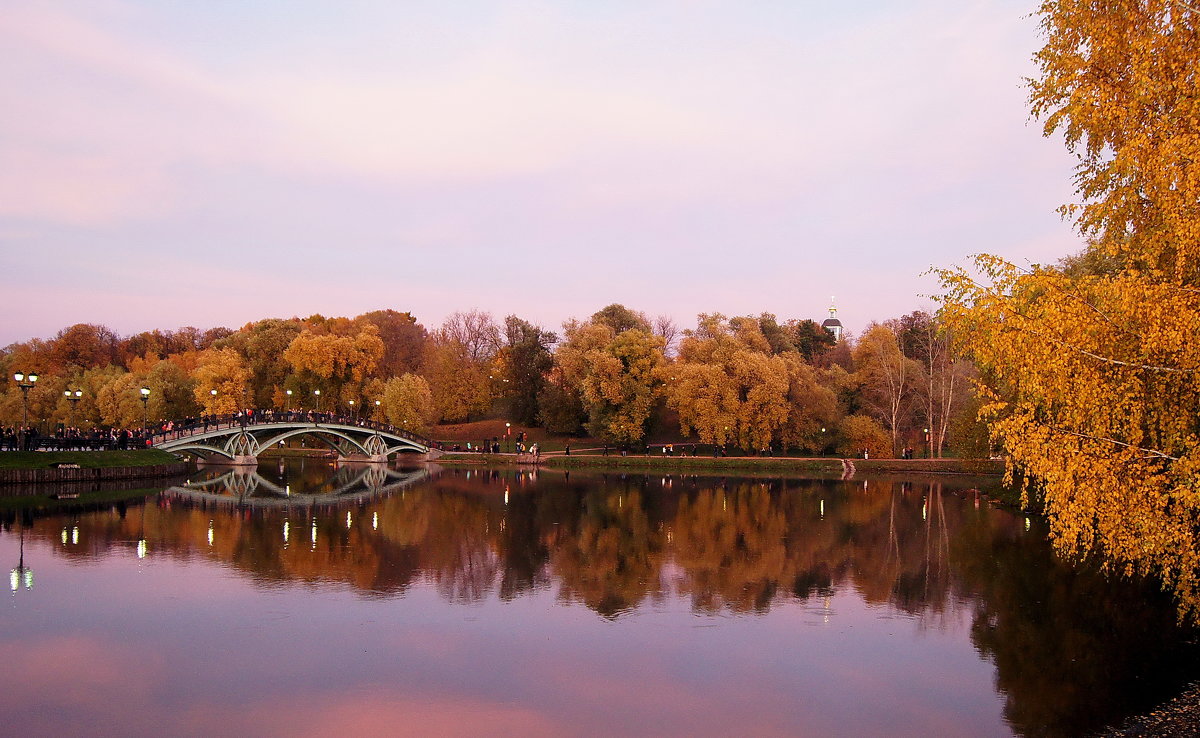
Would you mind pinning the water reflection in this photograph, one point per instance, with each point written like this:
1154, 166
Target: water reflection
1070, 650
349, 485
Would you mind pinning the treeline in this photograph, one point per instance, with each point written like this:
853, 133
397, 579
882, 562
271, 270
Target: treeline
751, 383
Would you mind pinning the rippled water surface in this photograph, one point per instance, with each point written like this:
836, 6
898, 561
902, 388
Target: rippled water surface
304, 600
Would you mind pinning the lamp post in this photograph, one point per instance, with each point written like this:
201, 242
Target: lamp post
353, 415
928, 446
507, 430
377, 411
145, 405
26, 383
73, 397
317, 394
288, 405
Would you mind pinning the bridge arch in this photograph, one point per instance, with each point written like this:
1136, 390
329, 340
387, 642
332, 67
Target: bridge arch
241, 444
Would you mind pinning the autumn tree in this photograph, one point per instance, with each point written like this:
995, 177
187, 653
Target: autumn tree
458, 382
337, 359
814, 410
942, 387
524, 362
403, 340
725, 385
1088, 371
886, 378
225, 371
859, 433
615, 372
83, 346
475, 331
408, 403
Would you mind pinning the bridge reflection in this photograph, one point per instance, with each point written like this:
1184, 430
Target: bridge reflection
351, 485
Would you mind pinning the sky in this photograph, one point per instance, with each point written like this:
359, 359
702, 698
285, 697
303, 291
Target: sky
216, 163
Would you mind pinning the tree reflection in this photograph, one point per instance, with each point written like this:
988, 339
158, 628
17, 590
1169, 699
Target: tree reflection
1060, 637
610, 557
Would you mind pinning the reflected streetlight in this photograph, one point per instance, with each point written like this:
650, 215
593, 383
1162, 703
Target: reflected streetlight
26, 383
22, 575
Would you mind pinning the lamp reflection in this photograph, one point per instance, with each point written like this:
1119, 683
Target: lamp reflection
21, 574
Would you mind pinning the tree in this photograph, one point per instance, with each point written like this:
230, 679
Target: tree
725, 386
617, 375
459, 384
339, 363
886, 377
83, 346
223, 370
814, 410
119, 400
524, 362
664, 325
476, 331
408, 403
1088, 372
860, 433
403, 341
943, 387
620, 319
810, 339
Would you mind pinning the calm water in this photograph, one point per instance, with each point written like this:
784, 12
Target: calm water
308, 601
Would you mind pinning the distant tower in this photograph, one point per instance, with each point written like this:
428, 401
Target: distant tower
832, 324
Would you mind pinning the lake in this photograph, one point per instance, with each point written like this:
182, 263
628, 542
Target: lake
305, 599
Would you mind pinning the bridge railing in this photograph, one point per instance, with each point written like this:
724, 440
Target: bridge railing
171, 430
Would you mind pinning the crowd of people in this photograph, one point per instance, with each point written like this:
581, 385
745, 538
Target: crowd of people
101, 439
72, 439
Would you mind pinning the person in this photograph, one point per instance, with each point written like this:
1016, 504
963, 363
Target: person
568, 449
866, 454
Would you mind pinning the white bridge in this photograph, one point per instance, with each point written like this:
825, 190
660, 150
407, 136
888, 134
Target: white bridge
235, 440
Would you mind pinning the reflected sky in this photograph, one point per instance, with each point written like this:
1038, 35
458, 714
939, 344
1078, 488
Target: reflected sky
588, 604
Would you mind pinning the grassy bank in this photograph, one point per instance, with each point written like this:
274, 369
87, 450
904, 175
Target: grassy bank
84, 459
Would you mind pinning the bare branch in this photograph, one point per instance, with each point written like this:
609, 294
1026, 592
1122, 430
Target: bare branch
1150, 453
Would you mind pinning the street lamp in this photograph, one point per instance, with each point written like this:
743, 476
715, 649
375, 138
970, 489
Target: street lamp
353, 416
25, 382
928, 445
317, 394
507, 430
73, 397
288, 406
145, 404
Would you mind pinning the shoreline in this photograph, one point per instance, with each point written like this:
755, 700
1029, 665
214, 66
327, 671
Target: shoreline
821, 465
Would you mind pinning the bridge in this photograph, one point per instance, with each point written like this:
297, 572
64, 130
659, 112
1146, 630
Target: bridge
240, 438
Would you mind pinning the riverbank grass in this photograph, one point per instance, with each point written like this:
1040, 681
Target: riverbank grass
84, 459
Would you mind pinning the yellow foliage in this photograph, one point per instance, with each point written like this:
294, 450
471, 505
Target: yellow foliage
225, 371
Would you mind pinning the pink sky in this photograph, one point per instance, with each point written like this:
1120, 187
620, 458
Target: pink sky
212, 164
